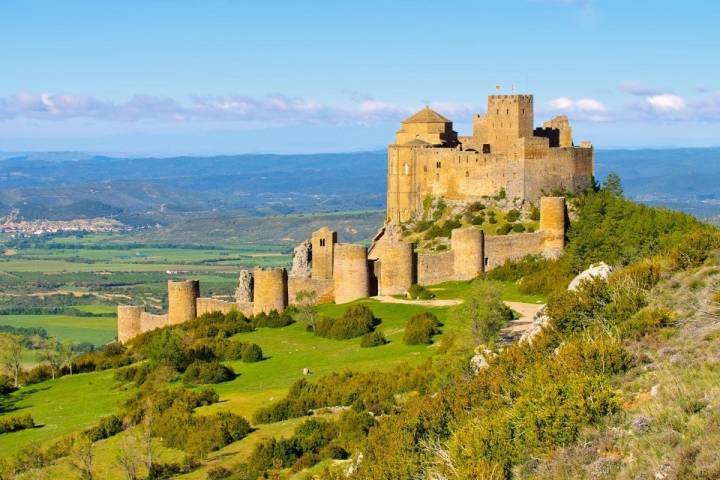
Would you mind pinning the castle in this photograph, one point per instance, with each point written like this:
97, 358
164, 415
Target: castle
504, 153
428, 159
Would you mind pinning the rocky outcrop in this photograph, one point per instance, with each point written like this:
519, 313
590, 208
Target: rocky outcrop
540, 321
244, 290
479, 361
302, 260
599, 270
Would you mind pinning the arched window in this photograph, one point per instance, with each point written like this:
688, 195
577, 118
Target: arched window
406, 169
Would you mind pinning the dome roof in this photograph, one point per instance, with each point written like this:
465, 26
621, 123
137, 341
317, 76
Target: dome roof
426, 115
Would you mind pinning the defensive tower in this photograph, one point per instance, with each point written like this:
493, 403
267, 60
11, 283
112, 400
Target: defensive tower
128, 321
552, 224
323, 250
351, 277
396, 268
182, 297
467, 245
271, 290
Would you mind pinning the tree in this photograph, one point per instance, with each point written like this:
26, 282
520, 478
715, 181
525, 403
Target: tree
67, 355
49, 355
612, 184
128, 457
306, 300
483, 311
11, 356
83, 457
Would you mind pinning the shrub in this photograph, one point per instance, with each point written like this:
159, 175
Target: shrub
478, 220
647, 321
694, 248
475, 207
200, 372
252, 353
272, 320
418, 292
420, 329
518, 228
504, 229
440, 207
492, 219
356, 321
513, 215
535, 214
16, 423
107, 427
373, 339
167, 348
423, 225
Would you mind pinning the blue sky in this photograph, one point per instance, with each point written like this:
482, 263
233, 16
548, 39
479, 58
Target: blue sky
212, 76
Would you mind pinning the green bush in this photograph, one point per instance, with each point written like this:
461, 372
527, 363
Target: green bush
513, 215
107, 427
418, 292
475, 207
356, 321
420, 329
272, 320
16, 423
373, 339
201, 372
504, 229
694, 248
478, 220
535, 214
647, 321
252, 353
518, 228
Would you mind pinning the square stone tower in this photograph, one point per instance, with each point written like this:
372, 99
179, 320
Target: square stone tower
323, 251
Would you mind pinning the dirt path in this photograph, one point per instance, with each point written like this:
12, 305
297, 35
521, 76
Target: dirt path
516, 327
428, 303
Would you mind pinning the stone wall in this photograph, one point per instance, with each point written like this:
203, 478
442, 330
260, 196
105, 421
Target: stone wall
128, 322
351, 276
435, 268
181, 301
208, 305
150, 321
270, 290
323, 289
499, 248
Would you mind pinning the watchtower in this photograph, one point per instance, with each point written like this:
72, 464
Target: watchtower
323, 250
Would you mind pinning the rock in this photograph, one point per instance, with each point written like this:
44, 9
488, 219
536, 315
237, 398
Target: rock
663, 472
480, 360
539, 322
641, 424
302, 260
306, 371
599, 270
654, 390
244, 290
354, 464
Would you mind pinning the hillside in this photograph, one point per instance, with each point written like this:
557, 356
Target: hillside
620, 381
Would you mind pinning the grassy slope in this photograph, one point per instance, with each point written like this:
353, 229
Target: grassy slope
96, 330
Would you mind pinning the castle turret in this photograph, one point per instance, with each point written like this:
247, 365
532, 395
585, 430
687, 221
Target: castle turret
468, 252
351, 274
128, 321
323, 250
396, 268
552, 224
270, 290
182, 297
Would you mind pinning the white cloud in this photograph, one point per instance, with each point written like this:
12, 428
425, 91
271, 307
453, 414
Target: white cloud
583, 108
666, 102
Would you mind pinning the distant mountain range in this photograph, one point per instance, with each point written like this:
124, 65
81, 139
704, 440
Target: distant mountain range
65, 185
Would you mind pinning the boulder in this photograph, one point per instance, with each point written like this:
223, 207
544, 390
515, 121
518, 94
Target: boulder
244, 290
302, 260
540, 321
479, 361
599, 270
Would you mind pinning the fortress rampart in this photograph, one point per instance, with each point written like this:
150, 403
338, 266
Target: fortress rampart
505, 154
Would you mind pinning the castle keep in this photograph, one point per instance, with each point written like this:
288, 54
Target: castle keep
504, 153
428, 160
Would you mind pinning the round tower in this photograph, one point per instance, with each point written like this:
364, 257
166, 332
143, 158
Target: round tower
396, 268
467, 245
351, 276
128, 321
182, 296
270, 292
552, 224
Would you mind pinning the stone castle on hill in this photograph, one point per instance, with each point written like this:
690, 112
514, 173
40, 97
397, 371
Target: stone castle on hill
504, 152
428, 160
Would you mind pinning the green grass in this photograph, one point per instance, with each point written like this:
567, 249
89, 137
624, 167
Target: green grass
96, 330
509, 292
61, 406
